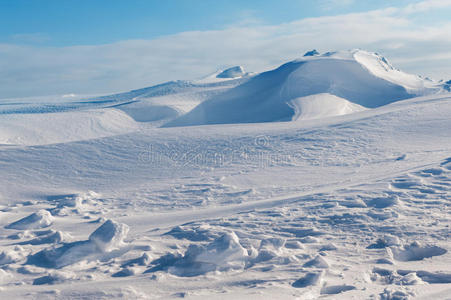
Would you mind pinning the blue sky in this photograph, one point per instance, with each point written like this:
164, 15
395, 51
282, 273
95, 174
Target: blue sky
99, 46
93, 22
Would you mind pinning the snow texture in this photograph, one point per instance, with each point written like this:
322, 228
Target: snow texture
348, 198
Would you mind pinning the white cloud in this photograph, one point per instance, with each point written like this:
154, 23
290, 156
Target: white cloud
425, 6
331, 4
125, 65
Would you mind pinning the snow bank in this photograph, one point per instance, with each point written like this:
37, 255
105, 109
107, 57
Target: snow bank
50, 128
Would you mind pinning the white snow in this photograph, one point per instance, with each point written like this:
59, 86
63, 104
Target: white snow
322, 106
380, 67
233, 72
39, 219
223, 254
51, 128
352, 76
346, 199
109, 236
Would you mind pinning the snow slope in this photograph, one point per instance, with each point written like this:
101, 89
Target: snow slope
357, 76
322, 106
51, 128
170, 100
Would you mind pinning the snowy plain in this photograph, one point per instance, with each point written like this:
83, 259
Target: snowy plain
326, 178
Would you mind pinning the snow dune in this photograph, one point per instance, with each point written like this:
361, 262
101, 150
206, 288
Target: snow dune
359, 77
51, 128
322, 106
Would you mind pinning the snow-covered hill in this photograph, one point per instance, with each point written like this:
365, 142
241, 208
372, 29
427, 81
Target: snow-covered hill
360, 77
170, 100
63, 127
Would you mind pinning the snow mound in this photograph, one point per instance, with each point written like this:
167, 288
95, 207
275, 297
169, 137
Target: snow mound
39, 219
233, 72
100, 245
73, 203
9, 256
317, 262
47, 237
223, 254
109, 236
336, 289
416, 251
322, 106
311, 53
355, 76
311, 278
167, 101
51, 128
5, 276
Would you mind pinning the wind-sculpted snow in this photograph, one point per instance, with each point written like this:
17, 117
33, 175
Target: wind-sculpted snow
39, 219
100, 245
223, 254
345, 203
50, 128
233, 72
267, 97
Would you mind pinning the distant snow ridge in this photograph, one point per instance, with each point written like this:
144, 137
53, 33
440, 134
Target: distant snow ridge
311, 53
169, 100
364, 79
447, 86
233, 72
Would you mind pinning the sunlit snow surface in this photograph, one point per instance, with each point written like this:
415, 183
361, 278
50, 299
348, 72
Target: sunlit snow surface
342, 201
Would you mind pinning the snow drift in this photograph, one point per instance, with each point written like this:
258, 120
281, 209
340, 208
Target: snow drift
108, 237
233, 72
39, 219
52, 128
169, 100
361, 78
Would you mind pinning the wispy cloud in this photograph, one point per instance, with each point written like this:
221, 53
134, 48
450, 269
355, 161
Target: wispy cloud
331, 4
32, 70
425, 6
38, 37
